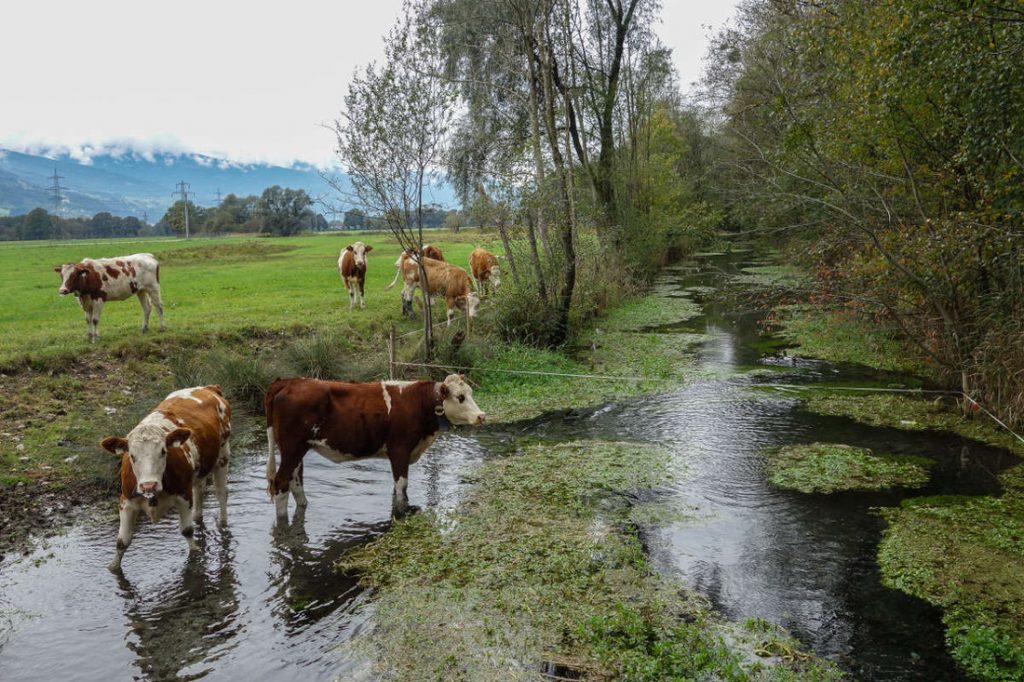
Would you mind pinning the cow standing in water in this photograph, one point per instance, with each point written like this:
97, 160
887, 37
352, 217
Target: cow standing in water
96, 281
169, 457
343, 421
352, 269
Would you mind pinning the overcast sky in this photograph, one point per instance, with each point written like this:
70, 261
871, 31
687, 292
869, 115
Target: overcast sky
243, 80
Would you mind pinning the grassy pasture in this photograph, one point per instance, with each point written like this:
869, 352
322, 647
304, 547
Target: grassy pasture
211, 288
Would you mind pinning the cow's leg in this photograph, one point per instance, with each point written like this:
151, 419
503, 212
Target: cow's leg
188, 529
154, 297
297, 488
129, 513
198, 491
86, 303
291, 458
220, 481
351, 294
400, 472
407, 295
146, 308
362, 293
451, 314
97, 308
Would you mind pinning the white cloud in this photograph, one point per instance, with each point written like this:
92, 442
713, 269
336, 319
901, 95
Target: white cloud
227, 79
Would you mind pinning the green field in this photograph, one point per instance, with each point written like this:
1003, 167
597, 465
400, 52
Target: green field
210, 287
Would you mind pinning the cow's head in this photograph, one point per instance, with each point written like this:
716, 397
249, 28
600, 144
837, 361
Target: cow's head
359, 251
147, 447
72, 277
457, 401
495, 276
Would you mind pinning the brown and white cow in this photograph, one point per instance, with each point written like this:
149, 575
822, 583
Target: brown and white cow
352, 269
486, 272
342, 421
167, 460
96, 281
443, 279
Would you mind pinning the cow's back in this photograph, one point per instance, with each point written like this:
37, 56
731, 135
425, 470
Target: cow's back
205, 412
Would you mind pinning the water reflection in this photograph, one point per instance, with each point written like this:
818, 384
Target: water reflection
188, 621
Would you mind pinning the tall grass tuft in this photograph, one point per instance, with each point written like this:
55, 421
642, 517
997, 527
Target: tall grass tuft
244, 377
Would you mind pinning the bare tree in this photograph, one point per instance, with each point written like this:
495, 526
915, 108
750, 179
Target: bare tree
393, 134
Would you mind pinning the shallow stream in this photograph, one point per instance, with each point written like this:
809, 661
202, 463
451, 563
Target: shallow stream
263, 601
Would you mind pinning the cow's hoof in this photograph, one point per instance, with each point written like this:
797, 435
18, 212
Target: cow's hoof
408, 510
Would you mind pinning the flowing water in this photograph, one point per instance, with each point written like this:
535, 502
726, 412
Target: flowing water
264, 600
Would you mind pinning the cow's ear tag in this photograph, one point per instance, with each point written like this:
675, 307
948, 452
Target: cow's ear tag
439, 410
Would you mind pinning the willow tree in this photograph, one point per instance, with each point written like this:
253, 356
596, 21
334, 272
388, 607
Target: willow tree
393, 133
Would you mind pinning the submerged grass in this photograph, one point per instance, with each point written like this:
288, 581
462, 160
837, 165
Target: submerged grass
911, 413
830, 468
964, 554
840, 336
541, 565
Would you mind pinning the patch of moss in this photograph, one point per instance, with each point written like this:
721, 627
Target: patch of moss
964, 554
830, 468
839, 336
771, 276
911, 413
537, 567
649, 311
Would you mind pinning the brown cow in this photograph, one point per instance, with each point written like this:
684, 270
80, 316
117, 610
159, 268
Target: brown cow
486, 273
95, 281
169, 457
352, 268
443, 279
344, 421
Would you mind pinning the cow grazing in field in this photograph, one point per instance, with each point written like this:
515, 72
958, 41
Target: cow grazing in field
396, 420
486, 273
96, 281
169, 457
352, 269
443, 279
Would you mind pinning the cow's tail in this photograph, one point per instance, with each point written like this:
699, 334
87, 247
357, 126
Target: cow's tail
398, 271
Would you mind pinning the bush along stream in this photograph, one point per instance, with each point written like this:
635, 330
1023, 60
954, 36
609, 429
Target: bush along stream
601, 530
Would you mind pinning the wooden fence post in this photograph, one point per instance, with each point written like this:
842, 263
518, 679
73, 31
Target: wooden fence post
391, 353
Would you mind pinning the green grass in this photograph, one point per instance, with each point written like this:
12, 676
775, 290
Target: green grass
828, 468
964, 554
211, 288
539, 564
840, 336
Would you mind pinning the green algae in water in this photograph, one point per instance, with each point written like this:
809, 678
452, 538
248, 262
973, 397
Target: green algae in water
964, 555
539, 564
830, 468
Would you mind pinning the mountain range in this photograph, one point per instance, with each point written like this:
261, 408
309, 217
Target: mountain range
142, 183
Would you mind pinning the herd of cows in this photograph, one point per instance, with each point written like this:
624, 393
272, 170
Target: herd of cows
171, 456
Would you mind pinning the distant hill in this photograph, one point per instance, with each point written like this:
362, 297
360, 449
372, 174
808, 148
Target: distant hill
134, 183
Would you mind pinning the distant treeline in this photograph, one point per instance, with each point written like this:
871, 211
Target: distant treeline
277, 211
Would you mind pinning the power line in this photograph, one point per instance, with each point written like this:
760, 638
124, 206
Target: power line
56, 191
183, 190
218, 196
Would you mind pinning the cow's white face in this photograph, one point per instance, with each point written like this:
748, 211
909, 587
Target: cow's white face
147, 452
495, 276
458, 403
68, 272
359, 251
